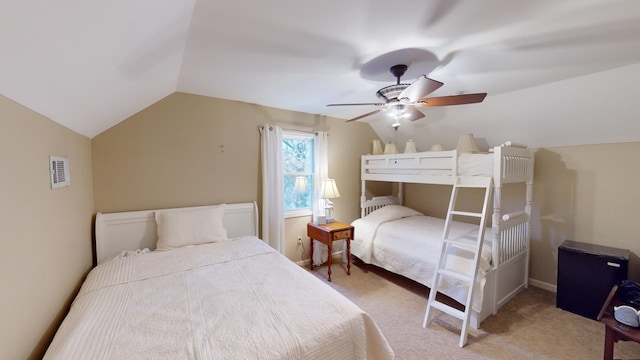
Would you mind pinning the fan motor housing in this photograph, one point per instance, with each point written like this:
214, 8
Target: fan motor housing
391, 92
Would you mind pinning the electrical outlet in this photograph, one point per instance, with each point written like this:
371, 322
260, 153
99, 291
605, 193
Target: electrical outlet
299, 240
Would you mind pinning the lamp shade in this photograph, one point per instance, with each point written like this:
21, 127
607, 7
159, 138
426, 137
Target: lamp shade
466, 144
377, 147
300, 186
390, 148
329, 189
410, 147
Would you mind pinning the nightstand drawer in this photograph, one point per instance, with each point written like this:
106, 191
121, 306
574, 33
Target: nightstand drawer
341, 234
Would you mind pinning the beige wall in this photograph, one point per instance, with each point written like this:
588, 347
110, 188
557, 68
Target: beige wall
584, 193
190, 150
46, 234
173, 153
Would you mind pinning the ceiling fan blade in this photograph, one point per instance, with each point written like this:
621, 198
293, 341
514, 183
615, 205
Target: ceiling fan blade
365, 115
357, 104
420, 88
413, 113
452, 100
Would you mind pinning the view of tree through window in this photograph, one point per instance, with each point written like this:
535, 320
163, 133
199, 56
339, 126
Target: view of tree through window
298, 164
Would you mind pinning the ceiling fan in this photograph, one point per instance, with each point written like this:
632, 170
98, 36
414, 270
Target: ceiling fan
402, 100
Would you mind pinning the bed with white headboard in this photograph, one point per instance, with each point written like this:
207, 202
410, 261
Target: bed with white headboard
125, 231
208, 288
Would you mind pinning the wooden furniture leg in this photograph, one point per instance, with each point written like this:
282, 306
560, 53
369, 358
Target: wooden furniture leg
608, 343
330, 249
348, 256
311, 254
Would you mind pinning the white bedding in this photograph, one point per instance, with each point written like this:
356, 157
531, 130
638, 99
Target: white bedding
408, 243
236, 299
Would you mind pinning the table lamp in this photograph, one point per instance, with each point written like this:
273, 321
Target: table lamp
329, 191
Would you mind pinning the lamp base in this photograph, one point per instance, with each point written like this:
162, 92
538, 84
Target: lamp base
329, 214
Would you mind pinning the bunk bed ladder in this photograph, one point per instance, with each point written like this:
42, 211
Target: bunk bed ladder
472, 245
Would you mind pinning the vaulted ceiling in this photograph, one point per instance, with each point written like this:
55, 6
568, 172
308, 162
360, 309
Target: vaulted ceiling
569, 67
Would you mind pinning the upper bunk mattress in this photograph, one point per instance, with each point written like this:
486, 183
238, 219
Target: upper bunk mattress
469, 164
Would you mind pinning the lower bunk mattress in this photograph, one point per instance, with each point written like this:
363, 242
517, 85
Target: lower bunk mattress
406, 242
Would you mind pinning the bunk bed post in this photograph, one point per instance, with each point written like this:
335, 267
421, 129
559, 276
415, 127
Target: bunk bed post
527, 210
495, 224
497, 204
495, 221
401, 193
363, 198
363, 187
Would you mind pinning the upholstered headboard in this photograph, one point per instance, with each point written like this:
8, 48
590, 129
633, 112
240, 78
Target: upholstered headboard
116, 232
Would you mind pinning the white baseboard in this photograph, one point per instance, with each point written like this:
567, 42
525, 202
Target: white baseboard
543, 285
533, 282
337, 256
303, 263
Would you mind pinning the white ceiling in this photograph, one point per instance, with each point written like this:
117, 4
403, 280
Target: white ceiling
91, 64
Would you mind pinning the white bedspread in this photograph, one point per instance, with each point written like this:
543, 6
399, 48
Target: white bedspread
410, 245
236, 299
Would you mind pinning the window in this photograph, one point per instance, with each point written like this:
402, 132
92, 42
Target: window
298, 170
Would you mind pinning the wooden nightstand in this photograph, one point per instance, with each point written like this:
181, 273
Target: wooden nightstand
327, 234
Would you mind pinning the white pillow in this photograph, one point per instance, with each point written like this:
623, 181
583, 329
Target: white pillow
391, 212
190, 226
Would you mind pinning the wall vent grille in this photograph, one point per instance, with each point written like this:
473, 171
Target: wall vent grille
59, 169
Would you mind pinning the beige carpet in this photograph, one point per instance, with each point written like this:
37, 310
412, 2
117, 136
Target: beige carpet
528, 327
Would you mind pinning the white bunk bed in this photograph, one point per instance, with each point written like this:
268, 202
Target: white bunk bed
507, 272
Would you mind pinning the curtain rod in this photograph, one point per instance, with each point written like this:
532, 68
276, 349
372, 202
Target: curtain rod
261, 126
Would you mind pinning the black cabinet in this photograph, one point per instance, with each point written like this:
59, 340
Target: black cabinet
586, 274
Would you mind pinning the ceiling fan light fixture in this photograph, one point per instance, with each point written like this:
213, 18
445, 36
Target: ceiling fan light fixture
398, 111
403, 100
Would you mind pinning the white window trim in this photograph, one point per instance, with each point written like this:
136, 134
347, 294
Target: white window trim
300, 135
297, 213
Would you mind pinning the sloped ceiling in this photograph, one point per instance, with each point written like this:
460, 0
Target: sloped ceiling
557, 65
